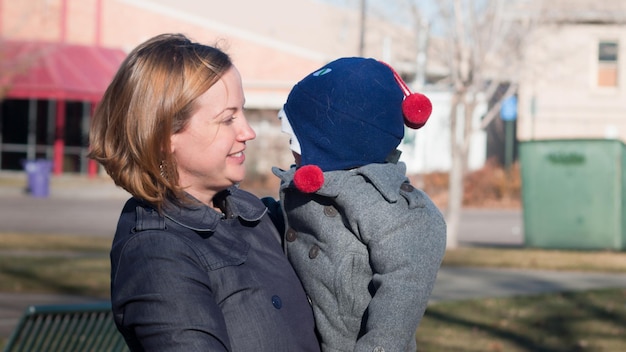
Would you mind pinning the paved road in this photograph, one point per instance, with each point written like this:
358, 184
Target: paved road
494, 227
74, 206
84, 207
98, 217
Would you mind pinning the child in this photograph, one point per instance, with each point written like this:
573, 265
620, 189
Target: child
365, 243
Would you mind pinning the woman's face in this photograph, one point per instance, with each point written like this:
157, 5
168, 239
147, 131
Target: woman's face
209, 151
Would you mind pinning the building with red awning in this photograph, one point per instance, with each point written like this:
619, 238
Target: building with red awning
56, 74
58, 71
58, 56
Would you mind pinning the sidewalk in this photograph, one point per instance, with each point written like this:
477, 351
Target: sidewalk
14, 184
460, 283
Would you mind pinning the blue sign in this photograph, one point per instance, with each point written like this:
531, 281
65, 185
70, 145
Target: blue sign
508, 110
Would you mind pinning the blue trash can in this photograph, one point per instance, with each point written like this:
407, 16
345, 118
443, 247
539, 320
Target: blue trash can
38, 173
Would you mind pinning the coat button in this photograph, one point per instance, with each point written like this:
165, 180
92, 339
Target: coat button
406, 187
291, 235
315, 250
277, 302
378, 349
330, 211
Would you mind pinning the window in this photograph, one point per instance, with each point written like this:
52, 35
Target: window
607, 64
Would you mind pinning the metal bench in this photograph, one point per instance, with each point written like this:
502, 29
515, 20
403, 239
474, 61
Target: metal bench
65, 328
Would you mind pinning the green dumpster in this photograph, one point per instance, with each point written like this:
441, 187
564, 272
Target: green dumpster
573, 194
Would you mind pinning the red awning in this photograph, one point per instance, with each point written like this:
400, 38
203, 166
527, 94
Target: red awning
36, 70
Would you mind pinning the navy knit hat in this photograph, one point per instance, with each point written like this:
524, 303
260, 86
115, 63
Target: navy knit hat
352, 112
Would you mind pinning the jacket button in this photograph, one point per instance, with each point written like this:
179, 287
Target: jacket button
277, 302
406, 187
330, 211
291, 235
315, 250
378, 349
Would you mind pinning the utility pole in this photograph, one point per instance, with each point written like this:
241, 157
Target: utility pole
362, 29
423, 33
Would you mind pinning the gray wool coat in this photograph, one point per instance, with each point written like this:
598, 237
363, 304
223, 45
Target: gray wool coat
367, 247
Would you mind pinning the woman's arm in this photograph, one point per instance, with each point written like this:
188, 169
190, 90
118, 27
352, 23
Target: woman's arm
162, 299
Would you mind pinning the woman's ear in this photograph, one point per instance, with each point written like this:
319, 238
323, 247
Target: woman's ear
173, 140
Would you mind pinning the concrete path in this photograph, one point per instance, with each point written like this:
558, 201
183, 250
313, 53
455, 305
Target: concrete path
470, 283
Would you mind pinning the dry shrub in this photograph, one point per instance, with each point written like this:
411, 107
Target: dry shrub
489, 186
492, 185
435, 184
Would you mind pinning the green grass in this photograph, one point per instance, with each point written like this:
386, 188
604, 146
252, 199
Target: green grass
77, 275
55, 264
51, 243
528, 258
580, 321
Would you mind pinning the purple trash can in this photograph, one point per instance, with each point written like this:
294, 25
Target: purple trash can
38, 172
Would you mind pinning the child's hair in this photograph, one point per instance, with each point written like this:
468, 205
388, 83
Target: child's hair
151, 97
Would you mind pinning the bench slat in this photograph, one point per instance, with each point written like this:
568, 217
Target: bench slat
65, 328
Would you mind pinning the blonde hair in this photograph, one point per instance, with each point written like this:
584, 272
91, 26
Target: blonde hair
152, 97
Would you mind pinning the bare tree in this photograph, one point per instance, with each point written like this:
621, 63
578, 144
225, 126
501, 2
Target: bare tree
482, 44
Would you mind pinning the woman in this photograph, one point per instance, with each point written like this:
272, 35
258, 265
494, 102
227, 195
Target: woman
196, 264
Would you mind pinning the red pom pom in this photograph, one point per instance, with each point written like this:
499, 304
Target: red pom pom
308, 178
416, 108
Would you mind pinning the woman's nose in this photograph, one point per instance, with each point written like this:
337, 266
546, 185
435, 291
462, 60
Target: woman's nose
246, 132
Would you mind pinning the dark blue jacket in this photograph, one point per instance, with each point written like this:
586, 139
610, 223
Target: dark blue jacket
193, 279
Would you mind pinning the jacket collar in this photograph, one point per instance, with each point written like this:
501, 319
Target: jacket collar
197, 216
387, 179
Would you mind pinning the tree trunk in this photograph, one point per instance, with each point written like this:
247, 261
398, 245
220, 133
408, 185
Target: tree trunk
460, 139
453, 214
455, 199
